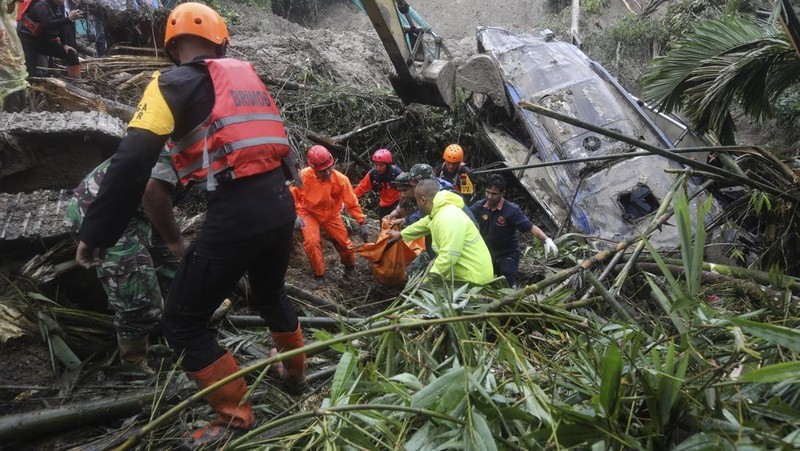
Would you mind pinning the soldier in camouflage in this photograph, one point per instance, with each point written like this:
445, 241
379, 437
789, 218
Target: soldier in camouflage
131, 270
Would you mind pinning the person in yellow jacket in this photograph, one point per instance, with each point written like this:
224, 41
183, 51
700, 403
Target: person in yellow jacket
461, 253
319, 206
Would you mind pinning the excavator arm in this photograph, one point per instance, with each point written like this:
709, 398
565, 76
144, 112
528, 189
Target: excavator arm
421, 77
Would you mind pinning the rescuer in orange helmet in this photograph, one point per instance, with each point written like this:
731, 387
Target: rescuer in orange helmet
454, 170
319, 205
224, 133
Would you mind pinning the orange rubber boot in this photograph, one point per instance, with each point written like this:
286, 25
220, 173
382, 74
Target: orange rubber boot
292, 371
225, 401
74, 71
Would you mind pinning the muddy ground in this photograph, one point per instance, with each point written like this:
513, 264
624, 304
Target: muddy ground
338, 46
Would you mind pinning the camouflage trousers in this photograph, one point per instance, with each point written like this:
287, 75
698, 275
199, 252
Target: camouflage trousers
130, 275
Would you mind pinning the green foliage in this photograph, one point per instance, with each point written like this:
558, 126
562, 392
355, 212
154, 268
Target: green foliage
229, 14
719, 64
590, 7
760, 201
787, 112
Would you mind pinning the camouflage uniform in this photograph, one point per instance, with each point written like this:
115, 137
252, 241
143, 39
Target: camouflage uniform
128, 272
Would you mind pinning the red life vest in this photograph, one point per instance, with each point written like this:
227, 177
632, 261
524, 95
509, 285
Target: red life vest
22, 7
244, 134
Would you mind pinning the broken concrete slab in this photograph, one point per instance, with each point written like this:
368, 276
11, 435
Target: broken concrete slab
33, 216
48, 150
70, 123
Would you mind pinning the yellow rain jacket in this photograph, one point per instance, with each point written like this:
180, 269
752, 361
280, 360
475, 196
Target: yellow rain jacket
461, 253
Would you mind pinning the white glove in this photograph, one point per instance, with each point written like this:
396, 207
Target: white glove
299, 223
550, 246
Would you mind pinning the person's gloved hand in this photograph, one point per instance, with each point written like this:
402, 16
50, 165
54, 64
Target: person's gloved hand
550, 246
363, 231
299, 223
394, 235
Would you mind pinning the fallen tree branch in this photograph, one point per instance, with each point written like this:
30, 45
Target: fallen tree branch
282, 83
324, 304
333, 145
73, 98
747, 287
366, 128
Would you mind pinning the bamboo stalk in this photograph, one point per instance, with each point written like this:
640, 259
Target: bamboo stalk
748, 287
760, 277
608, 297
659, 151
49, 421
622, 275
310, 321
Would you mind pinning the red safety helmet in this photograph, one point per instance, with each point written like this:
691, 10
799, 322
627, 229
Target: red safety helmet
382, 156
319, 158
453, 154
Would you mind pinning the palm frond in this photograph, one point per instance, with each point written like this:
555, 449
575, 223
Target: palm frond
721, 63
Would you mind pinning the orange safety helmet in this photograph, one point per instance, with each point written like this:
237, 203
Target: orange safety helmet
453, 154
196, 19
319, 158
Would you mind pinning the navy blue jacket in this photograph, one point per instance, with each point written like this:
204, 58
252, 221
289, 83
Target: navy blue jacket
499, 227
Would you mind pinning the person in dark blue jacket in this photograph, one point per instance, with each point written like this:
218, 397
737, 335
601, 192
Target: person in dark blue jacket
499, 220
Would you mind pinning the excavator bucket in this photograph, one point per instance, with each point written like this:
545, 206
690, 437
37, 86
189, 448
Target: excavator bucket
421, 76
434, 86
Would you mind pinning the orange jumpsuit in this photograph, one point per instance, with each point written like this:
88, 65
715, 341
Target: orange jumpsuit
319, 204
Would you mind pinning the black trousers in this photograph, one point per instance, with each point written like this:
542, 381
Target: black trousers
33, 47
383, 211
208, 273
508, 266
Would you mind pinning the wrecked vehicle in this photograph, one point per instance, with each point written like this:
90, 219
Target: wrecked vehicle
610, 200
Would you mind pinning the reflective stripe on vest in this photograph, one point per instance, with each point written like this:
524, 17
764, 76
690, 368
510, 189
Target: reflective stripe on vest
200, 133
227, 149
244, 134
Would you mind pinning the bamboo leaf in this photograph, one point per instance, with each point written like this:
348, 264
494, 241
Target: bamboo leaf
409, 380
610, 382
435, 391
344, 372
420, 440
322, 335
675, 287
777, 335
479, 436
779, 372
666, 305
704, 441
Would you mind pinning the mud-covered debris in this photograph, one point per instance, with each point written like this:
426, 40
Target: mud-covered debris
72, 123
35, 215
47, 150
